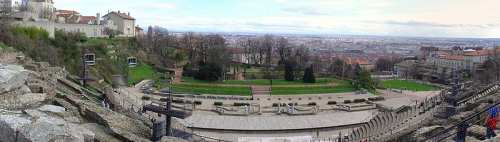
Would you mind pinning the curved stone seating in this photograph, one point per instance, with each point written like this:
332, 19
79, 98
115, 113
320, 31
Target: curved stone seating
384, 125
238, 110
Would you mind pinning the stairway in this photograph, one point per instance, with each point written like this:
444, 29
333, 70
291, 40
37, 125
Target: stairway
261, 90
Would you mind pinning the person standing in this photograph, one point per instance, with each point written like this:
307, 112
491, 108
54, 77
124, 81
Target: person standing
491, 121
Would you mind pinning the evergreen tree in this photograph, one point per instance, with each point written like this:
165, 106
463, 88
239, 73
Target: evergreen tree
309, 75
363, 80
289, 70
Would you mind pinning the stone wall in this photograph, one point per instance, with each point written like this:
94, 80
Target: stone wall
51, 27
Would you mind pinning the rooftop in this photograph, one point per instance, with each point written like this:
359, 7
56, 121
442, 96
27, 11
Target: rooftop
121, 15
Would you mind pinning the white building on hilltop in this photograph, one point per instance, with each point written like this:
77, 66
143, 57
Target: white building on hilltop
5, 6
125, 24
43, 14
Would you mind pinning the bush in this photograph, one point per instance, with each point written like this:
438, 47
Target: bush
178, 101
197, 102
309, 75
347, 101
209, 72
218, 104
275, 104
359, 100
312, 104
241, 104
332, 102
146, 98
373, 99
163, 99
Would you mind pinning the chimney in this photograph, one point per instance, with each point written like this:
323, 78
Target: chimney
98, 19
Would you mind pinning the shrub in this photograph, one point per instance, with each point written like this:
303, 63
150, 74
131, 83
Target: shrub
197, 102
332, 102
163, 99
146, 98
359, 100
380, 98
241, 104
275, 104
178, 101
309, 75
218, 103
312, 104
209, 72
347, 101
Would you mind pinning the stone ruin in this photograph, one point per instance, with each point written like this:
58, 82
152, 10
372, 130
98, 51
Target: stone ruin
33, 108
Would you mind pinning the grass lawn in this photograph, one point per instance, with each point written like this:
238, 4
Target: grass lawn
408, 85
191, 85
341, 87
190, 80
311, 90
141, 72
210, 89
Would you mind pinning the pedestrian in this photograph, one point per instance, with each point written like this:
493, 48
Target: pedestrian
491, 121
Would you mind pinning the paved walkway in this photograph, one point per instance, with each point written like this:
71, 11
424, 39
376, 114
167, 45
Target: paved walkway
278, 122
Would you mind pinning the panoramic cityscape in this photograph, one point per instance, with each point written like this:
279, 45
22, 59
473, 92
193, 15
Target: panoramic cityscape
249, 71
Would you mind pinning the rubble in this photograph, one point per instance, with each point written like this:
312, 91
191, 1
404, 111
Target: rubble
12, 77
172, 139
37, 126
476, 131
27, 113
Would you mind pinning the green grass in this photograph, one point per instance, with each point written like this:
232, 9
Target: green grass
141, 72
408, 85
191, 85
311, 90
210, 89
341, 87
190, 80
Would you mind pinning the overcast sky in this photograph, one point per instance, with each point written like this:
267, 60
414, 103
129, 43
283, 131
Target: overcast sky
429, 18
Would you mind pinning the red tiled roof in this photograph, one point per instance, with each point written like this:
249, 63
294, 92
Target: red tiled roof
86, 19
66, 12
478, 53
453, 57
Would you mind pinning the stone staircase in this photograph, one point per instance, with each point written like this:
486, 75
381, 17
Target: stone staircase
261, 90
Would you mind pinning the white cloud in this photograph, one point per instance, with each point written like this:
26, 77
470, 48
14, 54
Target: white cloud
455, 18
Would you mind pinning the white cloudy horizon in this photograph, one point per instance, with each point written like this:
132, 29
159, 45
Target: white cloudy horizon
422, 18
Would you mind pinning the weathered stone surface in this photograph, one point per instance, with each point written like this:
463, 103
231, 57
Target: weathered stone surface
428, 131
52, 109
102, 133
471, 139
11, 77
172, 139
9, 124
129, 129
38, 126
31, 98
461, 116
125, 128
476, 131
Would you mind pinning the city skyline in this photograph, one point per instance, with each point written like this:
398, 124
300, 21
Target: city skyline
444, 18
